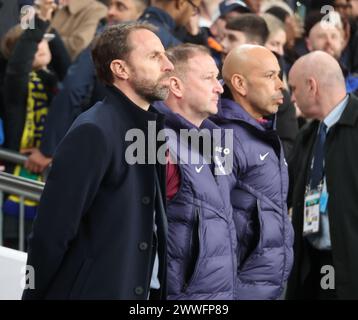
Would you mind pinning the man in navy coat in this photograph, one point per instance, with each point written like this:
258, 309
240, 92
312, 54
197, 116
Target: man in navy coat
100, 232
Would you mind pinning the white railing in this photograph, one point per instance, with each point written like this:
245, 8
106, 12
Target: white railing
24, 188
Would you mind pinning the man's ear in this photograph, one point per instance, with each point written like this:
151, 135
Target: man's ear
238, 83
312, 85
119, 69
176, 86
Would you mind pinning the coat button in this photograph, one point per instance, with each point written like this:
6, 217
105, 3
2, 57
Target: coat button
143, 246
139, 290
146, 200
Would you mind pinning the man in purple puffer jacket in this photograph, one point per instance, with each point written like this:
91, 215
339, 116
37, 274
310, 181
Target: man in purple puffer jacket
202, 261
259, 181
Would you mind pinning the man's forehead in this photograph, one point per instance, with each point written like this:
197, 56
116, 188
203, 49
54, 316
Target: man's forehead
322, 27
146, 39
204, 62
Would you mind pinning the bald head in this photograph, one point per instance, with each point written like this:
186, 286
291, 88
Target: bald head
320, 66
317, 84
244, 59
252, 74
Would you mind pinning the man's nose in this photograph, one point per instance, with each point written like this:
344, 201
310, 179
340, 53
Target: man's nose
167, 65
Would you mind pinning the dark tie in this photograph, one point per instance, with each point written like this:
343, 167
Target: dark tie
318, 157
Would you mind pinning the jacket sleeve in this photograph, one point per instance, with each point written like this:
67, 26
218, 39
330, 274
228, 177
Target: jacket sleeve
16, 83
78, 168
60, 58
67, 104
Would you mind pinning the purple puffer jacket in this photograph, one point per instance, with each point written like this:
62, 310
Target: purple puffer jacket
202, 260
259, 185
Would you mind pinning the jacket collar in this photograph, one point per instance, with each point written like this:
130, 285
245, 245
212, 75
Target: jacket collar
140, 116
76, 6
350, 114
177, 122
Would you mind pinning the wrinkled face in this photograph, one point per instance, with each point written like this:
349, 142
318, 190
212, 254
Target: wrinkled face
123, 10
326, 38
300, 93
232, 39
276, 42
149, 66
264, 85
217, 29
201, 86
42, 57
189, 8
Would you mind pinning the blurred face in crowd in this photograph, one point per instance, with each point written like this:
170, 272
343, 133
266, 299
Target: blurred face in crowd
124, 10
354, 5
327, 38
231, 40
254, 5
200, 87
63, 3
148, 66
188, 9
276, 42
42, 57
343, 7
218, 27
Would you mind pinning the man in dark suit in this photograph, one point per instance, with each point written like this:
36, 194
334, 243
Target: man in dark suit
100, 232
324, 182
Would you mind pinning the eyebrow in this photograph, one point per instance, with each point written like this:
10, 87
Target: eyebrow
272, 71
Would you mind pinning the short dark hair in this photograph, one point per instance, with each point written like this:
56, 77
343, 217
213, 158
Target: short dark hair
113, 44
253, 26
179, 56
278, 12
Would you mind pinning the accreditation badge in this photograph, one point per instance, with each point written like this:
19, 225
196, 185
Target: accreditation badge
311, 212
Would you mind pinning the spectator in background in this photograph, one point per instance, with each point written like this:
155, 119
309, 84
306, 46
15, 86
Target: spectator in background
350, 28
168, 15
354, 4
28, 90
277, 35
328, 36
125, 10
228, 10
80, 90
254, 5
294, 31
9, 16
248, 28
77, 21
